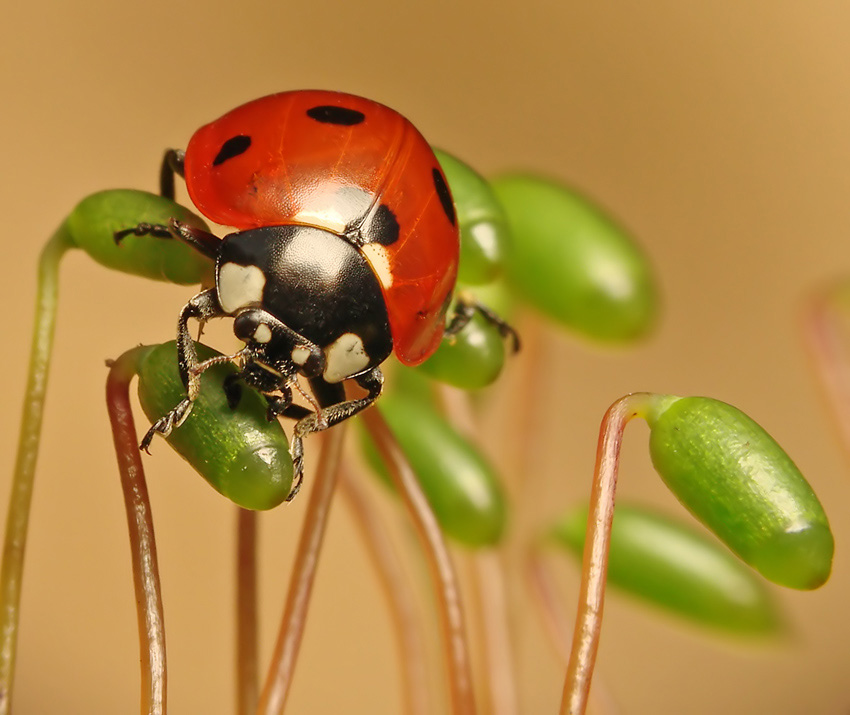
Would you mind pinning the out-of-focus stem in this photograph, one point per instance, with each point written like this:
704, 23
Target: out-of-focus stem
279, 679
399, 594
449, 605
17, 519
557, 626
142, 542
247, 673
491, 602
595, 562
827, 351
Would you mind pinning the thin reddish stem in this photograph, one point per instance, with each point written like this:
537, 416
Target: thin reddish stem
450, 609
595, 562
247, 669
142, 542
399, 594
279, 679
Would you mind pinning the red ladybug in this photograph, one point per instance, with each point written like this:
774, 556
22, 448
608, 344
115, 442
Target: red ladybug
346, 249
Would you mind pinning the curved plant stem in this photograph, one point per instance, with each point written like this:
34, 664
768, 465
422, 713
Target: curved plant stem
279, 679
247, 673
490, 593
22, 480
399, 593
595, 562
442, 571
142, 542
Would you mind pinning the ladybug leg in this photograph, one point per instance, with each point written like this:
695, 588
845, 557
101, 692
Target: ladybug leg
268, 336
333, 414
172, 163
202, 241
203, 307
466, 307
266, 382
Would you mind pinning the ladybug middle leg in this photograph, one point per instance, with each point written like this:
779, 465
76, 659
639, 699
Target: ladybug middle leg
330, 415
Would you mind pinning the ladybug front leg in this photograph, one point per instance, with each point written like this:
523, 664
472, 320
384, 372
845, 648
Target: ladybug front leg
202, 241
203, 307
466, 307
372, 381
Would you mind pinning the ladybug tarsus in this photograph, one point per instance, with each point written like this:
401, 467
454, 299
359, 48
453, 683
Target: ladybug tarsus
172, 163
156, 230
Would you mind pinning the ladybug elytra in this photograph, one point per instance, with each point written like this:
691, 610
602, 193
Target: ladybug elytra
345, 250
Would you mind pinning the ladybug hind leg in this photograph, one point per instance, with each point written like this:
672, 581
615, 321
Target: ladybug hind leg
330, 415
465, 309
172, 163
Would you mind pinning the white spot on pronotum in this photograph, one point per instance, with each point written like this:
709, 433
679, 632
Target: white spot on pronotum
378, 258
263, 333
300, 355
345, 357
239, 286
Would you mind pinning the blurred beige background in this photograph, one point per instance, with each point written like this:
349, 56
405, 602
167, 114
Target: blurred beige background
716, 131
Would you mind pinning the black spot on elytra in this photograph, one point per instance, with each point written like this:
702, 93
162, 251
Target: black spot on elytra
444, 195
384, 228
328, 114
232, 147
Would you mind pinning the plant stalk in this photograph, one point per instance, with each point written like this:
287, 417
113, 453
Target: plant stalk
450, 609
142, 542
247, 669
17, 520
279, 679
399, 594
595, 562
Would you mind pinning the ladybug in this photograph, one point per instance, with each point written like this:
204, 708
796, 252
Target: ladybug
345, 251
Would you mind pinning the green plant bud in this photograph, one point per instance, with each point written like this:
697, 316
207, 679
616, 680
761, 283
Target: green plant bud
573, 263
239, 452
460, 485
471, 360
475, 356
678, 569
738, 481
94, 221
483, 225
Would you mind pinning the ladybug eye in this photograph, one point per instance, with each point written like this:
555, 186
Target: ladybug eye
328, 114
232, 147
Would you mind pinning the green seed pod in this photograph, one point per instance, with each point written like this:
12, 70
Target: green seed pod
93, 222
239, 452
573, 263
460, 485
678, 569
738, 481
474, 357
483, 225
471, 360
